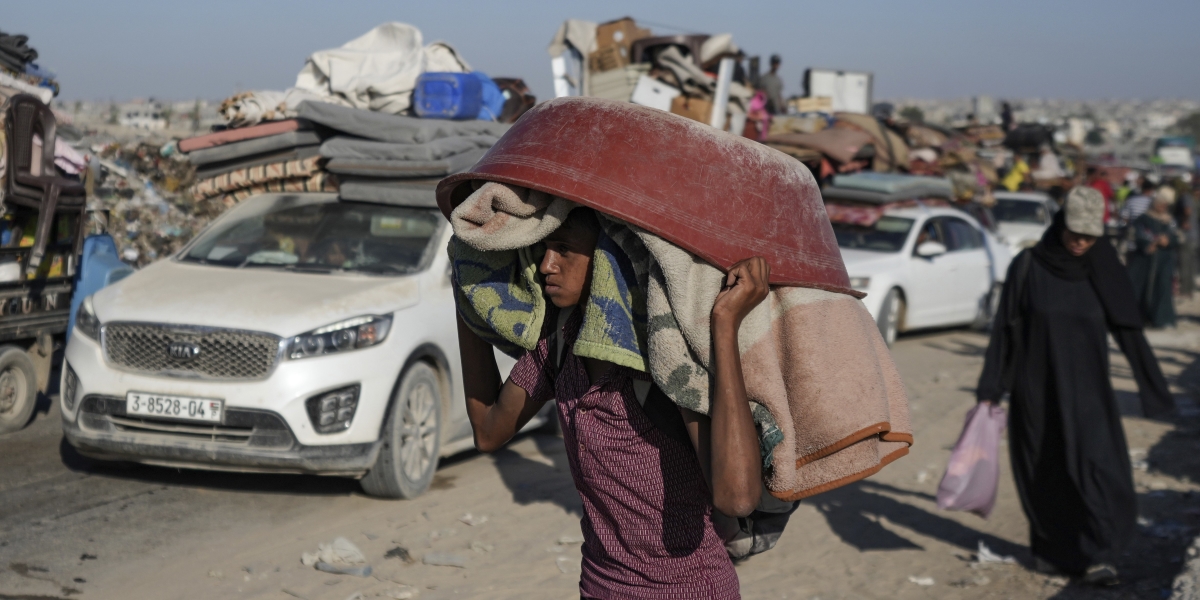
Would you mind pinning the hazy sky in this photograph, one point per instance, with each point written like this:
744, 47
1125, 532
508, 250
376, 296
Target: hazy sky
119, 49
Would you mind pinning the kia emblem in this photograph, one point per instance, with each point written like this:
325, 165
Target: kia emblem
183, 350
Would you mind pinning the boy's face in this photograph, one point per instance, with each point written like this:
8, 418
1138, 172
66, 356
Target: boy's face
567, 267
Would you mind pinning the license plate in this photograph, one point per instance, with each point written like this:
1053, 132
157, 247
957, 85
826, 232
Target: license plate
173, 407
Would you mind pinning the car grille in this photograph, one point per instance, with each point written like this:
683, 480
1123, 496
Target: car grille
224, 353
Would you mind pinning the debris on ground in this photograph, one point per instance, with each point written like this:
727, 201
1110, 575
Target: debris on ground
473, 520
404, 592
444, 559
570, 539
341, 557
984, 555
401, 553
922, 581
479, 546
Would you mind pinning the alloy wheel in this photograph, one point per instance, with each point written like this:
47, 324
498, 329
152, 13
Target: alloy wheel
418, 436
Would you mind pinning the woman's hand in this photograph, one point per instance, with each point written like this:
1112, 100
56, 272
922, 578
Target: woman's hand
745, 287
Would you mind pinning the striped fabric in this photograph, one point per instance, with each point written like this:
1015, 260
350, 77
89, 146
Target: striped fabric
297, 173
647, 521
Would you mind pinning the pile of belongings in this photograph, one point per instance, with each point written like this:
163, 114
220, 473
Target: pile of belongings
376, 72
18, 71
672, 73
361, 154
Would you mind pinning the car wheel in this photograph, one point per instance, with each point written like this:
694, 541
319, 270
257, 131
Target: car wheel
889, 316
18, 389
988, 308
411, 437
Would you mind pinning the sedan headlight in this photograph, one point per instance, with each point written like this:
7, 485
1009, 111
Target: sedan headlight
351, 334
86, 321
860, 283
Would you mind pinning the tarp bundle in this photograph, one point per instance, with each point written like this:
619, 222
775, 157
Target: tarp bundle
827, 398
376, 71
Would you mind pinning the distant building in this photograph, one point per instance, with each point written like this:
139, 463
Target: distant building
142, 115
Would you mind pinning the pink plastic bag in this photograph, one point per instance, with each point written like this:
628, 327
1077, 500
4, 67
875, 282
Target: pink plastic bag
974, 468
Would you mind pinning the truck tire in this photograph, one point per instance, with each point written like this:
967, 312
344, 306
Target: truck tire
411, 437
18, 389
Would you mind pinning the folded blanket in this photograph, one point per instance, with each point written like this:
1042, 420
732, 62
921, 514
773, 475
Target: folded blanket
405, 168
360, 149
251, 176
825, 394
250, 108
252, 147
317, 182
393, 128
220, 138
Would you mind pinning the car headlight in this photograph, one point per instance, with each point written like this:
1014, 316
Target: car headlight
351, 334
86, 321
860, 283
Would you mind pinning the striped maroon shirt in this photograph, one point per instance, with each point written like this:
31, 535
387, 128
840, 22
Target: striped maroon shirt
647, 516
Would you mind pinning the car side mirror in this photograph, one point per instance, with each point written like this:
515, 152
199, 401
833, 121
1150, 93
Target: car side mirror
931, 249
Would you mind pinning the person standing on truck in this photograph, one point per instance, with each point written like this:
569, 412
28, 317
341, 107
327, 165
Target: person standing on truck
649, 497
1049, 350
772, 85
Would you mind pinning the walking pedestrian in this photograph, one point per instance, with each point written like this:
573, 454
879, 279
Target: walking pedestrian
1049, 350
648, 510
1189, 225
772, 85
1153, 259
1138, 203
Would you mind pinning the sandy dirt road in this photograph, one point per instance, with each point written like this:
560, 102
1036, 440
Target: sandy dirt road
72, 529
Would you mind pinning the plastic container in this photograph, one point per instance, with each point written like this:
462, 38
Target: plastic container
448, 96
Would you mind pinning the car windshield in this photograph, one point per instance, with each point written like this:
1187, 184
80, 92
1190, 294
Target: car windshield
319, 235
1020, 211
887, 234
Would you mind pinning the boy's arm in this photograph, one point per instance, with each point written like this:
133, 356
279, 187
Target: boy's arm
730, 450
497, 410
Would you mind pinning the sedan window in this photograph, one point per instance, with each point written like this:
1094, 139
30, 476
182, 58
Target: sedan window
887, 234
320, 237
1021, 211
960, 235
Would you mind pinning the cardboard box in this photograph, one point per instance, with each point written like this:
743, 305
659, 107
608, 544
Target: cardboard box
815, 104
620, 34
695, 109
653, 93
607, 58
617, 84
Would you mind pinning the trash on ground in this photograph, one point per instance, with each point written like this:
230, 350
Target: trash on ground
340, 556
473, 520
404, 592
985, 555
401, 553
482, 546
444, 559
571, 538
922, 581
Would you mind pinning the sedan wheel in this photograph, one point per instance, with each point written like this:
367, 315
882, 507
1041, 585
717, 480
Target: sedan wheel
411, 437
889, 316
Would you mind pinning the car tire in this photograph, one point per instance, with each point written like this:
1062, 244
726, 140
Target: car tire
889, 316
988, 308
408, 455
18, 389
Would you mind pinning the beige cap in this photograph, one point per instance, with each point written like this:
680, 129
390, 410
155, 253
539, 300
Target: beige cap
1085, 211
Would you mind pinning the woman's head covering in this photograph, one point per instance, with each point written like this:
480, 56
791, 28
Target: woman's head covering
1099, 265
1165, 195
1084, 210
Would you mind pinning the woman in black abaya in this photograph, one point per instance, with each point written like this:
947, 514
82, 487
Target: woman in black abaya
1049, 350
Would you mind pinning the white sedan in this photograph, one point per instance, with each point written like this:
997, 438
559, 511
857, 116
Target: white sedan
1022, 218
299, 333
923, 267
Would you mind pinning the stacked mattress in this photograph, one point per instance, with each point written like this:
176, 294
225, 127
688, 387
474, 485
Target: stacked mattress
279, 156
395, 159
364, 155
